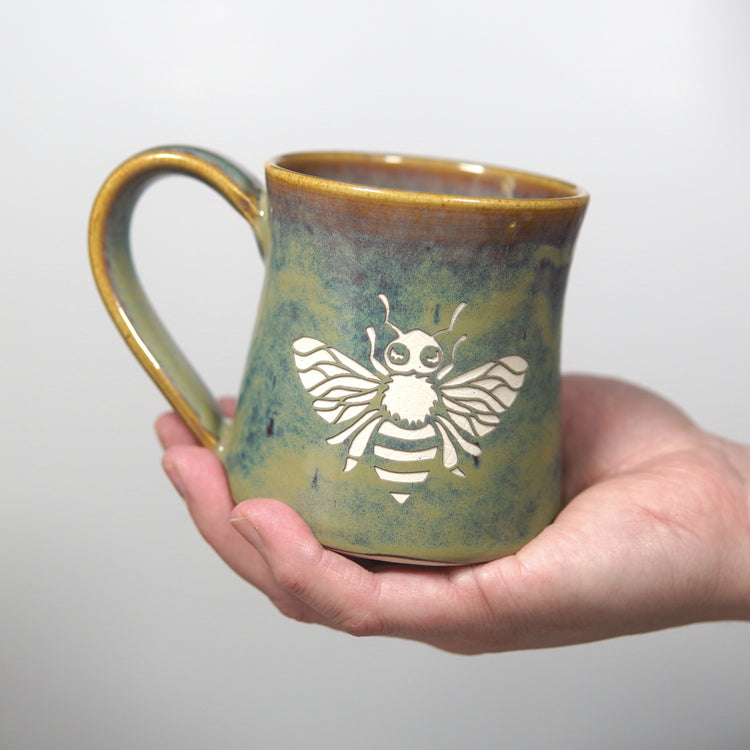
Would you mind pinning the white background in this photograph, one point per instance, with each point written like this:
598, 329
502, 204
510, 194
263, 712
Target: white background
119, 627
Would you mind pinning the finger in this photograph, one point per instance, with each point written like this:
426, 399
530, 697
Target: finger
228, 405
200, 478
171, 430
300, 566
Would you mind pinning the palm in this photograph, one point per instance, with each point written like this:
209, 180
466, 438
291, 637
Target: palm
654, 507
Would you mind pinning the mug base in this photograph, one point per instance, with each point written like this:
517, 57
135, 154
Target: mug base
397, 559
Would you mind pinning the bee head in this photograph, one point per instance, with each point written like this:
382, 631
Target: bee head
414, 352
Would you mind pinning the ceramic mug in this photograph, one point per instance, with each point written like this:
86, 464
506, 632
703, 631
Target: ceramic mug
402, 386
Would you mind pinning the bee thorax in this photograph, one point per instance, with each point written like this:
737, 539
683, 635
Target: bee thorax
409, 398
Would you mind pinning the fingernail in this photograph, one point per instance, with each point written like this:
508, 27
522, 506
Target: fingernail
174, 476
245, 526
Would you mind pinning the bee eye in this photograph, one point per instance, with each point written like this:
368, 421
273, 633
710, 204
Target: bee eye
397, 353
431, 356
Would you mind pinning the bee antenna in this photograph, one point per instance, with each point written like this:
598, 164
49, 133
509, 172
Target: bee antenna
456, 345
454, 318
387, 307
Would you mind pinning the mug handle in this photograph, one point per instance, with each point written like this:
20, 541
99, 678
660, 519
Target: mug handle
121, 290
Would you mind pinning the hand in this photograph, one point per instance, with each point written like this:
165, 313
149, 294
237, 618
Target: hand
655, 533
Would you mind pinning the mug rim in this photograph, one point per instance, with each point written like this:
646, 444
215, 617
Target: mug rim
286, 168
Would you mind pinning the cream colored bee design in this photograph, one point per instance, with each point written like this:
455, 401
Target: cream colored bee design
406, 409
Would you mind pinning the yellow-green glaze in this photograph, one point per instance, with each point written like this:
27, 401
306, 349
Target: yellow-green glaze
475, 253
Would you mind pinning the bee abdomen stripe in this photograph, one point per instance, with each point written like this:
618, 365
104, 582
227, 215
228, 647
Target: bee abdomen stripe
393, 430
401, 476
393, 454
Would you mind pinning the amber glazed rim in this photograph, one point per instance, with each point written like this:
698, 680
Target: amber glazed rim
302, 171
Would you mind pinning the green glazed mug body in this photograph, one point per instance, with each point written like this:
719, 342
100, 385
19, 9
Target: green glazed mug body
402, 386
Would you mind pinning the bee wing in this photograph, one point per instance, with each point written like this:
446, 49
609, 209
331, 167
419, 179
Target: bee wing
476, 399
341, 388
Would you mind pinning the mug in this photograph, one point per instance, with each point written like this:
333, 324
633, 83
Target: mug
402, 388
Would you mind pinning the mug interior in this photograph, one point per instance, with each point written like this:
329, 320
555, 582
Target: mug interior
422, 175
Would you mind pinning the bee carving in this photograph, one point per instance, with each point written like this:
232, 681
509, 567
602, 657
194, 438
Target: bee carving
407, 410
